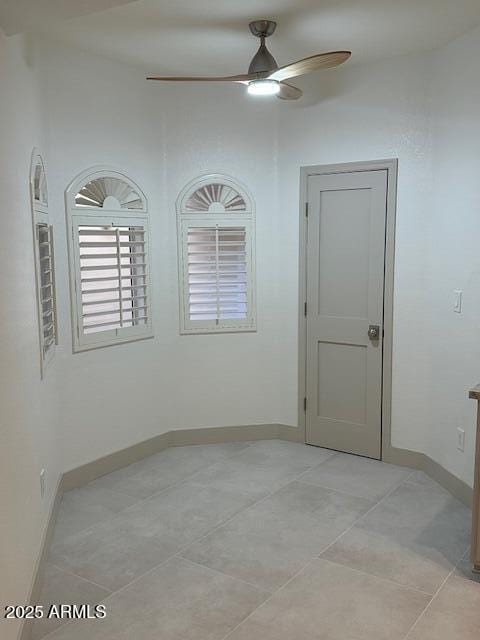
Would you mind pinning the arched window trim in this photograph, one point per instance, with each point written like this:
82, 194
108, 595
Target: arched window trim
214, 178
122, 236
98, 172
38, 203
43, 249
216, 231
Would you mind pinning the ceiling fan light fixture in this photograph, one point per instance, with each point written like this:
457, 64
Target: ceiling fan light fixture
263, 87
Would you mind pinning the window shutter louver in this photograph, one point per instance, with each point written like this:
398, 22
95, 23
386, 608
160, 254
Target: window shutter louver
217, 273
113, 277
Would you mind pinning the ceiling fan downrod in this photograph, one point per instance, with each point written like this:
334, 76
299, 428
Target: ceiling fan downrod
262, 61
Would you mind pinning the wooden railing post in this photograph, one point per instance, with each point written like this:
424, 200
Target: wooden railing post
475, 556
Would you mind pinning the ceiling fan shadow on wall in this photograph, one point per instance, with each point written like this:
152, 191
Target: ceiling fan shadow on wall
264, 76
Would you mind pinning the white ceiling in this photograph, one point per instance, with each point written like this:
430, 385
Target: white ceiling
27, 15
212, 36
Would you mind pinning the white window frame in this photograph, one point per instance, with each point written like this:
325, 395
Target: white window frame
41, 219
109, 215
187, 219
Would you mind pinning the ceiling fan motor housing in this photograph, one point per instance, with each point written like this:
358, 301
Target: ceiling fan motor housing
263, 60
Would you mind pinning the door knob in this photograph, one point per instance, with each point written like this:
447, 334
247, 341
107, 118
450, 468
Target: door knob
374, 332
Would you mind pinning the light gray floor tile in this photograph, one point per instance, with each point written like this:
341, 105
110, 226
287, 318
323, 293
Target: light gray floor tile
177, 601
453, 615
115, 552
63, 588
147, 477
264, 467
290, 454
110, 554
271, 541
110, 534
357, 476
331, 602
81, 508
185, 512
415, 536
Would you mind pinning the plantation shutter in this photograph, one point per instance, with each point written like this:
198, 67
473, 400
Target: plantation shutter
46, 288
217, 276
217, 273
112, 279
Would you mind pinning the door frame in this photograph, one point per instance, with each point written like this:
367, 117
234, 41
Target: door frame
391, 166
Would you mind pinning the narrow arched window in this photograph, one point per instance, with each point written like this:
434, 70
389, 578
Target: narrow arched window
216, 249
44, 261
109, 256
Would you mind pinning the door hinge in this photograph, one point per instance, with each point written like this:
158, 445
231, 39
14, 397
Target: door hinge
305, 309
305, 404
306, 209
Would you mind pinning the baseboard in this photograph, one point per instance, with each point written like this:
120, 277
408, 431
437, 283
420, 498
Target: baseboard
90, 471
422, 462
181, 437
213, 435
36, 587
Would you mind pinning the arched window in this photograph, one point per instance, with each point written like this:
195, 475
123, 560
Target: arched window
216, 249
44, 260
109, 255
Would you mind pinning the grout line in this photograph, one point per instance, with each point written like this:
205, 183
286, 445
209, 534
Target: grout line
296, 478
364, 515
75, 575
374, 501
237, 513
210, 531
64, 622
225, 575
402, 481
191, 543
311, 561
428, 605
475, 577
270, 597
112, 594
153, 495
375, 577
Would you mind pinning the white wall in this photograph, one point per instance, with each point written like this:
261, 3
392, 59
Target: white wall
453, 254
107, 113
28, 436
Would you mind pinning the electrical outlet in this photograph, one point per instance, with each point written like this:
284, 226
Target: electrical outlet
42, 482
460, 439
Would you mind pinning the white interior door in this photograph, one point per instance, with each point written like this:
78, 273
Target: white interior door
345, 290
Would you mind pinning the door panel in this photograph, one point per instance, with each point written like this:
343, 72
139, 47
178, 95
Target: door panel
345, 281
342, 366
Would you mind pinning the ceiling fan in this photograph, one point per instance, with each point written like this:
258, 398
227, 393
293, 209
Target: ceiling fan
264, 76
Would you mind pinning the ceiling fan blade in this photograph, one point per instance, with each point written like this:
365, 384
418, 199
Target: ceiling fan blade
288, 92
307, 65
243, 77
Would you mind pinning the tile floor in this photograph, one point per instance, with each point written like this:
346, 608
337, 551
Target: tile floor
268, 540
